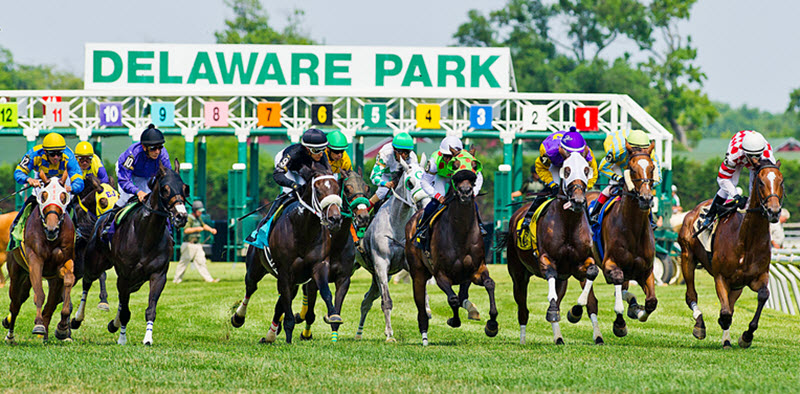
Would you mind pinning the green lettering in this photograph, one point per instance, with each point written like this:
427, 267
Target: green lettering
310, 70
236, 64
482, 70
331, 69
271, 62
417, 72
134, 66
97, 66
381, 72
457, 73
163, 70
202, 61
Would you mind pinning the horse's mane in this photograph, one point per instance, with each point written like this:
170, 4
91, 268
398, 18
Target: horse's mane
463, 175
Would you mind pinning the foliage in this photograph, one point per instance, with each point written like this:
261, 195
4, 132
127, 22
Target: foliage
196, 349
250, 25
731, 120
14, 76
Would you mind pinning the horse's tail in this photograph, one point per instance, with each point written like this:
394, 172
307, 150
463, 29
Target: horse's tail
502, 240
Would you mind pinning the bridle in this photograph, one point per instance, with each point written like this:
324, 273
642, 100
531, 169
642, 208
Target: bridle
321, 208
54, 191
354, 201
629, 182
410, 194
762, 200
166, 210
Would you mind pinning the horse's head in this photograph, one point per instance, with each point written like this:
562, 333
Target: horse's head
409, 189
575, 174
639, 176
53, 200
356, 192
324, 195
767, 189
462, 185
97, 197
171, 192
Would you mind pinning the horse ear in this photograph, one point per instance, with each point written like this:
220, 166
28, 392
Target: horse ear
562, 152
63, 179
628, 146
453, 151
586, 151
422, 161
177, 165
96, 184
651, 147
473, 150
186, 190
778, 163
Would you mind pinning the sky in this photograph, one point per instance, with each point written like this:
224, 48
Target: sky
749, 50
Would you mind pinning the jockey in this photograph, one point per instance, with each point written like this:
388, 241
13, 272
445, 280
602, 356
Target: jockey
337, 153
550, 161
289, 162
89, 162
52, 158
139, 163
616, 160
435, 183
387, 164
746, 149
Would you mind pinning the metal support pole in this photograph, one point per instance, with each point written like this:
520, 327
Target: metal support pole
237, 195
502, 209
254, 197
187, 171
517, 172
358, 144
201, 170
97, 145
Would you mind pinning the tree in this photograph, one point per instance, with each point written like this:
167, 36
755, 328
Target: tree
250, 25
15, 76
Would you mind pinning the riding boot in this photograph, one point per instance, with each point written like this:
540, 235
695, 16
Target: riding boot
709, 217
526, 222
421, 238
594, 213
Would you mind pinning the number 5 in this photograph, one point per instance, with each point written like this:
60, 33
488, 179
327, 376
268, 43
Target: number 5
375, 115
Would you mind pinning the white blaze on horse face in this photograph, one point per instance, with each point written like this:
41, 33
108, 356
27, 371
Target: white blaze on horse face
771, 178
328, 184
180, 208
645, 164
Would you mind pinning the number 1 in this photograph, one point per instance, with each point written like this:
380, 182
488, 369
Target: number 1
586, 119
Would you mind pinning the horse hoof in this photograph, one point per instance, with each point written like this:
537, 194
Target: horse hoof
333, 319
620, 331
39, 330
633, 311
358, 337
453, 322
237, 321
559, 341
262, 340
553, 315
298, 319
6, 323
599, 341
103, 306
306, 338
62, 335
75, 324
270, 338
699, 332
122, 340
147, 342
10, 339
574, 314
727, 345
111, 327
391, 340
474, 315
745, 342
491, 328
644, 317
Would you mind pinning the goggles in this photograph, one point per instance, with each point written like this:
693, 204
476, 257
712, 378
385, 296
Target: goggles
154, 147
316, 151
55, 153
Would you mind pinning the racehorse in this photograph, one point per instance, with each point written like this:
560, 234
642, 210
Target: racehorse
383, 242
741, 253
299, 250
89, 200
5, 233
355, 217
564, 243
628, 241
139, 250
46, 252
456, 250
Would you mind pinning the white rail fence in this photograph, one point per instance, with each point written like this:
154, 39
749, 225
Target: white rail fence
785, 273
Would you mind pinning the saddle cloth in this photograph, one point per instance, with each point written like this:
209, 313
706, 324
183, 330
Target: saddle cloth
116, 220
526, 237
260, 236
707, 236
597, 228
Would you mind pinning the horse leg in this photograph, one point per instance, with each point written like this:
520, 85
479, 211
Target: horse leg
120, 322
650, 300
342, 286
382, 275
320, 274
452, 299
548, 269
53, 293
520, 278
463, 299
591, 309
19, 289
763, 295
688, 267
591, 274
725, 312
80, 314
35, 274
66, 272
372, 294
611, 270
157, 282
419, 280
287, 291
103, 304
307, 312
255, 272
277, 316
482, 278
561, 290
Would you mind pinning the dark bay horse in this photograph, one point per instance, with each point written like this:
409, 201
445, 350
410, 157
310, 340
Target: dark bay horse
355, 212
741, 253
628, 240
139, 250
300, 245
6, 220
45, 253
564, 242
457, 254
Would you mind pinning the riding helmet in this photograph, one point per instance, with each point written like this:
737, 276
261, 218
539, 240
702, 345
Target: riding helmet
197, 205
448, 142
403, 141
638, 139
337, 140
314, 138
54, 141
753, 143
573, 141
152, 136
84, 149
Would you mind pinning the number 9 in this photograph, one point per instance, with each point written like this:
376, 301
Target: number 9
162, 114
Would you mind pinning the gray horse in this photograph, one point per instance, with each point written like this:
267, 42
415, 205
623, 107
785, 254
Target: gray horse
384, 243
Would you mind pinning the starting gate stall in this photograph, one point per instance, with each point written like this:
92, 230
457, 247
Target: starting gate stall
428, 92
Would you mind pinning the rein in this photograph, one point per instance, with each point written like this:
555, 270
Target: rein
353, 202
628, 179
762, 202
319, 206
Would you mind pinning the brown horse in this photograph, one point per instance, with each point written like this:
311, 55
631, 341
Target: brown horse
457, 254
564, 243
741, 253
300, 248
46, 252
628, 241
5, 234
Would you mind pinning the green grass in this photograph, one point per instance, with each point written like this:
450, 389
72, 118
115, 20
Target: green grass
197, 349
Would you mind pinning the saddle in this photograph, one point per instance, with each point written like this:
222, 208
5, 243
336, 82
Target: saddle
526, 236
111, 219
597, 228
426, 244
260, 236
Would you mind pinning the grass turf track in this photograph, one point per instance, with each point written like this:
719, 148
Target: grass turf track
196, 348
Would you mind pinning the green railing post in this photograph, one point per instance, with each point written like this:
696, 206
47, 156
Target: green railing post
201, 170
517, 169
237, 205
254, 199
187, 167
97, 145
502, 208
358, 143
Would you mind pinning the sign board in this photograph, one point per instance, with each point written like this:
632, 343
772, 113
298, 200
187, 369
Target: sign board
480, 117
428, 116
110, 114
57, 115
9, 115
163, 114
311, 70
322, 114
586, 118
375, 115
215, 113
534, 117
269, 114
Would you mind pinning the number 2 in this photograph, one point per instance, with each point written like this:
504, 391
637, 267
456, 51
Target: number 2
534, 118
162, 114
